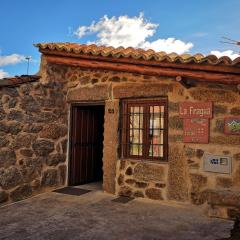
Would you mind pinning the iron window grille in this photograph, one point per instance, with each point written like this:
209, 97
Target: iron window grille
144, 129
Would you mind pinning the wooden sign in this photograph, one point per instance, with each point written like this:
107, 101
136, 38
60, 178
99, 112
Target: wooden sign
196, 130
195, 110
232, 125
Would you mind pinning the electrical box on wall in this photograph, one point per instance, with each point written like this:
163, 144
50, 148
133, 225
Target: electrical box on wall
217, 163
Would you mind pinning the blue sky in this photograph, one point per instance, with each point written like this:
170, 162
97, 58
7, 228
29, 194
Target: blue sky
198, 25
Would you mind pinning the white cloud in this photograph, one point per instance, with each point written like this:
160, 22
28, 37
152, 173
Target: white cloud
168, 45
130, 32
3, 74
11, 59
228, 53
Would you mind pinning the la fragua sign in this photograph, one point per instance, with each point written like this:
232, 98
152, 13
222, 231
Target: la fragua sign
195, 110
195, 121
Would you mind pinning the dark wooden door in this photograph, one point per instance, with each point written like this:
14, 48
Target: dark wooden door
86, 144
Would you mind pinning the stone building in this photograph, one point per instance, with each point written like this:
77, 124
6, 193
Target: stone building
153, 125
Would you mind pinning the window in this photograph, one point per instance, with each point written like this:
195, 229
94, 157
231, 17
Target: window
144, 129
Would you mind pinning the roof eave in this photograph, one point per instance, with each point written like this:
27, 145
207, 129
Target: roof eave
18, 80
96, 64
203, 66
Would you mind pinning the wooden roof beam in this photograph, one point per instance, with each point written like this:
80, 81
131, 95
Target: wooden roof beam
190, 66
201, 76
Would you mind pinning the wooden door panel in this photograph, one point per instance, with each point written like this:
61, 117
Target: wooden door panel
87, 144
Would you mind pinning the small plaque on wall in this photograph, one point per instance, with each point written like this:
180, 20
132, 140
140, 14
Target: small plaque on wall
217, 163
196, 130
232, 125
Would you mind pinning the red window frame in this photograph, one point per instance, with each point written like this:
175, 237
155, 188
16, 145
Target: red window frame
126, 105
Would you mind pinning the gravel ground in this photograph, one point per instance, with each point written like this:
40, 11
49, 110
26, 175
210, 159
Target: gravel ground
94, 216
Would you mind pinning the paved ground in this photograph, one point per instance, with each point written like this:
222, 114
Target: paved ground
94, 216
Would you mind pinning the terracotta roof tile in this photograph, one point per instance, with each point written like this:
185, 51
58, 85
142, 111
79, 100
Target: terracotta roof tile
137, 54
17, 80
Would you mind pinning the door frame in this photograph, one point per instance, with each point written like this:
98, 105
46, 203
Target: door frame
72, 105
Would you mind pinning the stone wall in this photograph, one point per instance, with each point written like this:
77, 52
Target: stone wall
110, 86
110, 145
141, 179
181, 178
33, 136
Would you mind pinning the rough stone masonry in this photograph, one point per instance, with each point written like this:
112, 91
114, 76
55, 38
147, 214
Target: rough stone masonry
34, 126
33, 137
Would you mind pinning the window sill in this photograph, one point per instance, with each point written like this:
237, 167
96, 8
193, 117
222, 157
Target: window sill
144, 160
